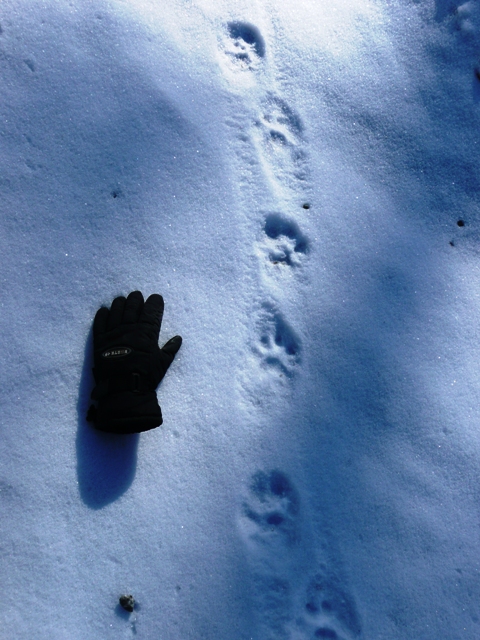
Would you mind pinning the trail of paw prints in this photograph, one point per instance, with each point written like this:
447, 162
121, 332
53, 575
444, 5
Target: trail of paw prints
270, 530
276, 344
330, 610
282, 243
279, 137
242, 49
270, 150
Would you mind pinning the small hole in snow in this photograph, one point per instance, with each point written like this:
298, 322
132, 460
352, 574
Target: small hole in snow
460, 223
306, 205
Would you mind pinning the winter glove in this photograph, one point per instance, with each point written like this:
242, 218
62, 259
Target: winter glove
129, 364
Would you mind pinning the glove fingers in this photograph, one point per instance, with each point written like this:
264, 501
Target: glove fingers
172, 346
116, 313
152, 312
133, 307
100, 322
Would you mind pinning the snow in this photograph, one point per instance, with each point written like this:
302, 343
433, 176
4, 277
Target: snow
299, 181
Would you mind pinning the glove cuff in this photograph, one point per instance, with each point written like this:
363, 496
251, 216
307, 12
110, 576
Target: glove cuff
126, 412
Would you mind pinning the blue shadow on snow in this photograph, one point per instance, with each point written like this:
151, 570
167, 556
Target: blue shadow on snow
106, 462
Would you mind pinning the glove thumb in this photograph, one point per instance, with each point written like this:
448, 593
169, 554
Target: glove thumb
172, 346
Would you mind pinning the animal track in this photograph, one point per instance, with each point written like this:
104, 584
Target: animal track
269, 521
272, 508
280, 132
244, 46
278, 345
275, 352
283, 124
330, 610
284, 240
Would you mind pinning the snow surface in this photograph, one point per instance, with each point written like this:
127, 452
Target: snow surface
300, 181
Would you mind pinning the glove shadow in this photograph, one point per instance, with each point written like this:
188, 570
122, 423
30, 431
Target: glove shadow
106, 462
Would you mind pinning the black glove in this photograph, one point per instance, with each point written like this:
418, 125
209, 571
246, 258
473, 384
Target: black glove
129, 364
